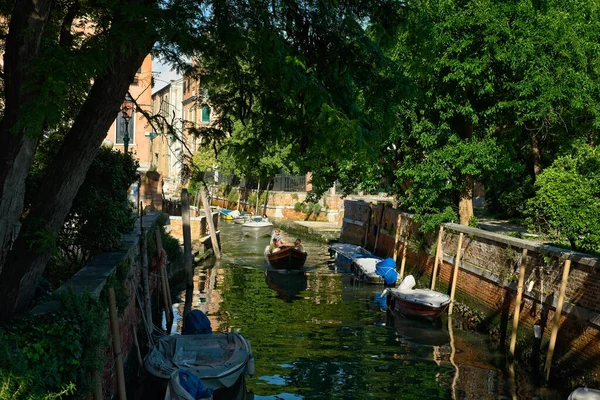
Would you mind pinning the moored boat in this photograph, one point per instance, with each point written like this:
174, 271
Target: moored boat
367, 268
584, 394
229, 215
418, 302
257, 227
286, 257
344, 252
218, 360
242, 218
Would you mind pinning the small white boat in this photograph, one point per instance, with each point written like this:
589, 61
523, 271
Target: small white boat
257, 227
584, 394
416, 302
219, 360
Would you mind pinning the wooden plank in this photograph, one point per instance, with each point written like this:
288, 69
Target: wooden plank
455, 274
557, 314
438, 257
513, 338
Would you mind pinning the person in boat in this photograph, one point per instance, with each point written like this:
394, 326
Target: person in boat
277, 235
275, 245
298, 245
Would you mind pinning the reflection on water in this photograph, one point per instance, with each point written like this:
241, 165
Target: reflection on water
316, 335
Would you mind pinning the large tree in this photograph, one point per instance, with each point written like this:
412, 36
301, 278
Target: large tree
53, 51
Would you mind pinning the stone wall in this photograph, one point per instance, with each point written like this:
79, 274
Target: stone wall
488, 274
92, 279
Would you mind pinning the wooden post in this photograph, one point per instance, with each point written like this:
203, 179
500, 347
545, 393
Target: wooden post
239, 196
257, 196
98, 395
398, 233
379, 227
404, 249
455, 274
513, 338
187, 236
137, 347
116, 339
211, 225
166, 275
145, 275
557, 314
368, 225
439, 257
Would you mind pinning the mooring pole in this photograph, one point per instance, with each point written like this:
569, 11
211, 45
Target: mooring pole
397, 239
379, 228
404, 248
513, 338
455, 274
116, 339
187, 237
439, 255
211, 224
557, 314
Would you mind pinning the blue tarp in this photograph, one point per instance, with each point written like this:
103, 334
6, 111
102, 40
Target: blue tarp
387, 269
195, 322
193, 385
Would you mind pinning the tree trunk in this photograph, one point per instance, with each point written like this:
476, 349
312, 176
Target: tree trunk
465, 203
536, 155
26, 261
26, 28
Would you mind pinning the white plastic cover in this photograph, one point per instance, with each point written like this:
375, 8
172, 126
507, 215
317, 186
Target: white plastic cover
407, 283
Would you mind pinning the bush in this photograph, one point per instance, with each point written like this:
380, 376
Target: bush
46, 356
566, 205
100, 212
299, 207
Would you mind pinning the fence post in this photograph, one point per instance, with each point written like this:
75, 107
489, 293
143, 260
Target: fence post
455, 274
513, 338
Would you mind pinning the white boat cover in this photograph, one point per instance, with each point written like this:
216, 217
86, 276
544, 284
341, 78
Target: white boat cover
585, 394
217, 359
234, 214
421, 296
367, 264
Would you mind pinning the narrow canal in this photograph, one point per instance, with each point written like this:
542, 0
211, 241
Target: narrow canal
318, 335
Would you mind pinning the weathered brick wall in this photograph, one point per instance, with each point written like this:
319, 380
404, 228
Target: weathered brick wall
488, 274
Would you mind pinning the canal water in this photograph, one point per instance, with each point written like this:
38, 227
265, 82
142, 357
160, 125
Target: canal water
317, 334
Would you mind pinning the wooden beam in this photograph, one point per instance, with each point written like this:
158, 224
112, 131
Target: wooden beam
187, 237
379, 227
404, 249
116, 339
557, 314
455, 274
398, 234
513, 338
211, 224
439, 256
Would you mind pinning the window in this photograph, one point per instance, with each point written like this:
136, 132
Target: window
120, 128
205, 113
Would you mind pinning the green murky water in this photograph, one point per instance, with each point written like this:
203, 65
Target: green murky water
317, 334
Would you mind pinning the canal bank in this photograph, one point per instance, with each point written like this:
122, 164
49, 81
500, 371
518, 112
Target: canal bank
489, 268
318, 334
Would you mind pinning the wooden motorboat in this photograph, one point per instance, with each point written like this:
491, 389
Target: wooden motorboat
257, 227
286, 257
228, 215
417, 302
219, 360
344, 252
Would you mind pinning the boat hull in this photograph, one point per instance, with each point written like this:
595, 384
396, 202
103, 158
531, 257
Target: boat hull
218, 360
412, 308
250, 229
287, 258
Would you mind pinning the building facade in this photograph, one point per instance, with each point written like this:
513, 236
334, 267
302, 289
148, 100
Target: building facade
130, 125
165, 143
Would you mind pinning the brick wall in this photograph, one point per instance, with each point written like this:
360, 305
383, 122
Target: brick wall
488, 274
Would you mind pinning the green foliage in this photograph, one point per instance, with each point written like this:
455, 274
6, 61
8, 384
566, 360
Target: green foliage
232, 197
299, 206
46, 356
567, 200
100, 212
118, 281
